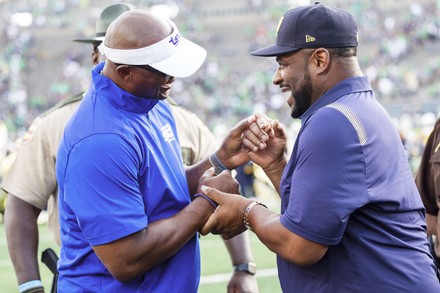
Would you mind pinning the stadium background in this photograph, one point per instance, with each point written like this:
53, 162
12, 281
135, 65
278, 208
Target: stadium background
40, 65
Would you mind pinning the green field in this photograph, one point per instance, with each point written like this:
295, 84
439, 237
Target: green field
216, 264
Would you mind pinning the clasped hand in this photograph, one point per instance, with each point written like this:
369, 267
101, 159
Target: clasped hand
256, 138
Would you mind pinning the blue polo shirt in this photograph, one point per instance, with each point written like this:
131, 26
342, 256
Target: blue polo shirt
348, 185
119, 168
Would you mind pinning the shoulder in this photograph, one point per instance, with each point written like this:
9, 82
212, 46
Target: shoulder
333, 118
352, 119
51, 123
184, 116
332, 130
63, 103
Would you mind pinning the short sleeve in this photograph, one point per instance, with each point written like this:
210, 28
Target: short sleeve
100, 187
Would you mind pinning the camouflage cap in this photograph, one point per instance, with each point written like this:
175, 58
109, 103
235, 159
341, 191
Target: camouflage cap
107, 15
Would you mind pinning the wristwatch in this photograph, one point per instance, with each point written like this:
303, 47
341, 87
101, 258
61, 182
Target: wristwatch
248, 267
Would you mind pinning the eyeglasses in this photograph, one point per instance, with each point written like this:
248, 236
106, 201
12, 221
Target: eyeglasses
148, 68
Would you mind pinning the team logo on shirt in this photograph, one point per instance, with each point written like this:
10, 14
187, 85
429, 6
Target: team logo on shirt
167, 133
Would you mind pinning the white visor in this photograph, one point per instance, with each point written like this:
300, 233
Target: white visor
174, 55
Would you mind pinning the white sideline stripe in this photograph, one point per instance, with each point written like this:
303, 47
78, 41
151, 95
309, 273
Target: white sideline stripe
261, 273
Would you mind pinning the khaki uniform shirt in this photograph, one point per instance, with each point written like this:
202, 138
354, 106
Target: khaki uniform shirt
32, 175
196, 140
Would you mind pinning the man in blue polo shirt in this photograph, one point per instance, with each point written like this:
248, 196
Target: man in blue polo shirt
129, 211
351, 217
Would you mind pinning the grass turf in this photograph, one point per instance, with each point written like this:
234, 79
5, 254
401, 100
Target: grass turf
216, 264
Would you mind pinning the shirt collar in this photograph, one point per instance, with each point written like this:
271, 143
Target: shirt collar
103, 86
347, 86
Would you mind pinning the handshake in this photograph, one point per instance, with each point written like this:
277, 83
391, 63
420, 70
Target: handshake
258, 139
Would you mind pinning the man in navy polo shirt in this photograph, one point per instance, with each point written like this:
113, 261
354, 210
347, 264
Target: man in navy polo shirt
351, 217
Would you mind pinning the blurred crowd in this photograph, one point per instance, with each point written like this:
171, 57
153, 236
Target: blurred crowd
399, 51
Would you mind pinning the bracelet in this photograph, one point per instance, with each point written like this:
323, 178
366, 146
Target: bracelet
213, 203
31, 286
215, 162
247, 211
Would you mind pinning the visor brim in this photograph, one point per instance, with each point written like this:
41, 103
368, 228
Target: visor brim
186, 60
89, 40
274, 50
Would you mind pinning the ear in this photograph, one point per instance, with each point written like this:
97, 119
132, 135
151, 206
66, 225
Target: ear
321, 60
95, 57
124, 72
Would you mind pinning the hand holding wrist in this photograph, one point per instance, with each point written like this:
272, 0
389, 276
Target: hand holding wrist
211, 202
216, 163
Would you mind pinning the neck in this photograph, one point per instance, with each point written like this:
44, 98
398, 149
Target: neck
345, 68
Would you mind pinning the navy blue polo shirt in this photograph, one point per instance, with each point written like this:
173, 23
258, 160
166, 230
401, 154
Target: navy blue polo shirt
119, 168
348, 185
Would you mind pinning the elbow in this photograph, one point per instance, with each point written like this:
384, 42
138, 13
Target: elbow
126, 271
123, 271
304, 261
123, 275
304, 257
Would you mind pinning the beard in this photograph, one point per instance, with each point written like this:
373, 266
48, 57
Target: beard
302, 97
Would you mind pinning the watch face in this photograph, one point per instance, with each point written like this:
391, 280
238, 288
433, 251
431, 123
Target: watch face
252, 268
249, 267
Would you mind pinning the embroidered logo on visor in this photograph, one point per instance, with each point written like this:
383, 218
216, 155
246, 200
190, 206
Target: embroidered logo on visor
175, 40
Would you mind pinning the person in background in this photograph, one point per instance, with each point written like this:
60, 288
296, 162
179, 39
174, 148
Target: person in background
351, 217
33, 187
427, 179
245, 175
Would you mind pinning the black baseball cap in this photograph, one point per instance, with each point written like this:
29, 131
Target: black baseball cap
106, 17
312, 26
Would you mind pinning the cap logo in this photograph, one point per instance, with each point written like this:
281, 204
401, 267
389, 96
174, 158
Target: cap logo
279, 24
310, 39
175, 40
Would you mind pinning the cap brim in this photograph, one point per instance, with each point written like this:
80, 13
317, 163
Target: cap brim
89, 40
273, 50
186, 60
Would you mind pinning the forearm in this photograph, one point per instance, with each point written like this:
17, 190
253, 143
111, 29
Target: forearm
241, 254
138, 253
281, 241
22, 238
239, 248
275, 172
265, 230
194, 172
